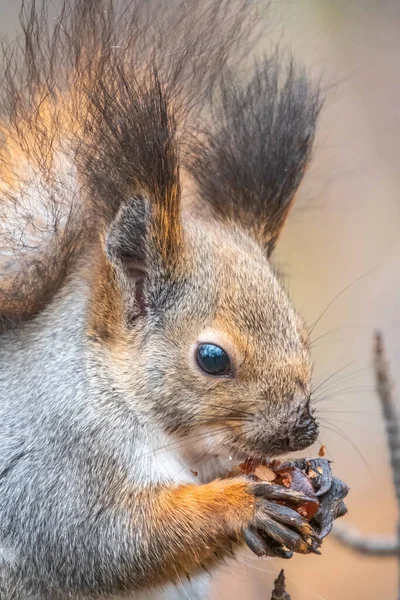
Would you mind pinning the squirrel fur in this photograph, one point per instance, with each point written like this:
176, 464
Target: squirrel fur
144, 181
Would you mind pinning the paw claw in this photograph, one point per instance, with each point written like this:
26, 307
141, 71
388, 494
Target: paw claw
255, 542
271, 491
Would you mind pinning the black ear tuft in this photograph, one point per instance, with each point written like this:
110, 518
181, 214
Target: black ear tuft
250, 165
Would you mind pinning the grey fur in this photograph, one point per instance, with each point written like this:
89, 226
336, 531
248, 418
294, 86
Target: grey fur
64, 429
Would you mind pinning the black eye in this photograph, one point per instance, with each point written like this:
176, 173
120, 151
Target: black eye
213, 359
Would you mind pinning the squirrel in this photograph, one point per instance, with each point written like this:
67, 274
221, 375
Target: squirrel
146, 343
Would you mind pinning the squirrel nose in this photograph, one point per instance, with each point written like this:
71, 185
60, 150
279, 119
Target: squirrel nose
304, 430
303, 436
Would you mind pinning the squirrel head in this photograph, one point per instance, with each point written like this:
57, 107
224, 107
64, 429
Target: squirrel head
197, 328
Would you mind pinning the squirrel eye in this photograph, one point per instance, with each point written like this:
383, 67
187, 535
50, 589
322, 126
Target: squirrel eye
213, 359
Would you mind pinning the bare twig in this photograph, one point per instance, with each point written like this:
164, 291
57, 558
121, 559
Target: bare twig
279, 592
384, 388
375, 546
350, 537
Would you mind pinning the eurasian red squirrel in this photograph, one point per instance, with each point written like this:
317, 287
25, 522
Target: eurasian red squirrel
146, 344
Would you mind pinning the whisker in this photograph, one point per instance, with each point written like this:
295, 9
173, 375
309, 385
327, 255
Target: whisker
184, 442
331, 392
338, 371
334, 420
336, 430
338, 296
352, 391
333, 331
353, 375
346, 390
349, 412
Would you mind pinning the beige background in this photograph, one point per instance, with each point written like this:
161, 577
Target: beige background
345, 226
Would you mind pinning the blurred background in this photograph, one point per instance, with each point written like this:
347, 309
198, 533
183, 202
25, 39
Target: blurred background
344, 231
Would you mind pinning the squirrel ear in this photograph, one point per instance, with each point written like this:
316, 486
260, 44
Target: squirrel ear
126, 249
143, 244
138, 263
130, 169
250, 165
126, 239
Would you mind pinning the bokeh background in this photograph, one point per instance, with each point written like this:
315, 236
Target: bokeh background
344, 231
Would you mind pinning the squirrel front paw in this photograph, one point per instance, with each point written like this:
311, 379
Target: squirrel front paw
276, 529
270, 524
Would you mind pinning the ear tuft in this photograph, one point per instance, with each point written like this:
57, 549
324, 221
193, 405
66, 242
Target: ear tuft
250, 165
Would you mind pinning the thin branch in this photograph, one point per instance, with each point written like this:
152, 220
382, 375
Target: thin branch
370, 546
384, 388
375, 546
279, 592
